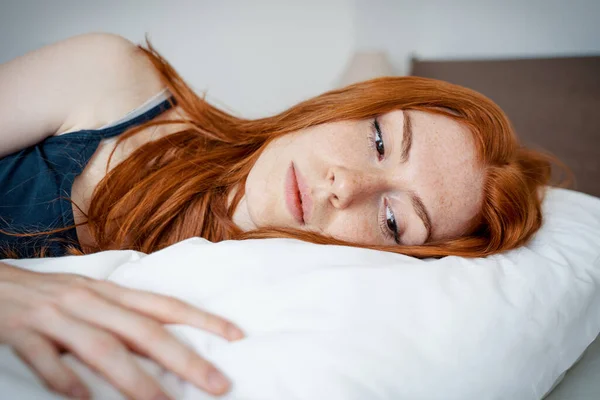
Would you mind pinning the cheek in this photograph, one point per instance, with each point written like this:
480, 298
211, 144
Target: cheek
338, 144
353, 226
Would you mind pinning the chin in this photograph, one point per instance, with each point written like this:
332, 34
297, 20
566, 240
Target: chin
259, 216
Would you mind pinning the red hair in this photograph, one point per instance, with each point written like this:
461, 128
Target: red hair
177, 187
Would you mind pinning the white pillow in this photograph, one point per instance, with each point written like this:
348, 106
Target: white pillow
326, 322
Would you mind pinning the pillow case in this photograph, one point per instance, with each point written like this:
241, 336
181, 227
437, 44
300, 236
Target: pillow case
328, 322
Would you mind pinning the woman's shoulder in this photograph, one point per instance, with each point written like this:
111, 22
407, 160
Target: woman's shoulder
83, 82
120, 77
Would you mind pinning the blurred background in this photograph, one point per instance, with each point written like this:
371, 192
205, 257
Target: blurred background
261, 56
538, 59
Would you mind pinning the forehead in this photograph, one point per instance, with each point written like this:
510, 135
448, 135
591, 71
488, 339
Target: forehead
443, 169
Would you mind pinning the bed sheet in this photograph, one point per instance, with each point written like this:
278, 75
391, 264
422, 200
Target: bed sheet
582, 382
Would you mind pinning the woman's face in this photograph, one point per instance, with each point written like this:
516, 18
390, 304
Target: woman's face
408, 177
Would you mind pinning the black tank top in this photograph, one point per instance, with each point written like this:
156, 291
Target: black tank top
36, 182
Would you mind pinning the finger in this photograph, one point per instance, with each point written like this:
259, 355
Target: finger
42, 356
168, 310
150, 338
100, 350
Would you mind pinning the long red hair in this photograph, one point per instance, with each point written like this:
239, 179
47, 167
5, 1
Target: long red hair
177, 187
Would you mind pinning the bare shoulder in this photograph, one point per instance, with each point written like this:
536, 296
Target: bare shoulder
117, 58
113, 76
80, 83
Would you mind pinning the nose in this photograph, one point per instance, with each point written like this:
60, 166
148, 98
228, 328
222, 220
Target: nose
348, 186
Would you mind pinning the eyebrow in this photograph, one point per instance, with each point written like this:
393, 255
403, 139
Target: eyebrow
407, 136
422, 213
416, 200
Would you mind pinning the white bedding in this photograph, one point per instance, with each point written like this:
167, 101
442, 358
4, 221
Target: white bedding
326, 322
581, 382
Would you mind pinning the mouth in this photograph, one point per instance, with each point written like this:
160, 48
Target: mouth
297, 199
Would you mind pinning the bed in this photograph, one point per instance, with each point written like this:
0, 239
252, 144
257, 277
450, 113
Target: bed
554, 104
337, 323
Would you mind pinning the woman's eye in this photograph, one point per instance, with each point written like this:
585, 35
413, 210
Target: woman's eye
378, 139
390, 220
389, 226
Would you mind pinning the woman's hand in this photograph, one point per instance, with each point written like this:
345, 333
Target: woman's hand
99, 322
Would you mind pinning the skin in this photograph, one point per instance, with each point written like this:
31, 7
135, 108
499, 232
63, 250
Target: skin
349, 180
84, 83
88, 81
44, 314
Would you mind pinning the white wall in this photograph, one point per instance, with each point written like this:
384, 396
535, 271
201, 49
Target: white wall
451, 29
254, 57
258, 57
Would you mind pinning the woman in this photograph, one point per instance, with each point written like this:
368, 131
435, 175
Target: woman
408, 165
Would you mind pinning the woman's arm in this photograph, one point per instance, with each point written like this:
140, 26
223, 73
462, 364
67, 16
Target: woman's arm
98, 321
80, 83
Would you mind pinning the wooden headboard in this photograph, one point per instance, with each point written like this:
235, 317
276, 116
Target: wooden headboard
553, 103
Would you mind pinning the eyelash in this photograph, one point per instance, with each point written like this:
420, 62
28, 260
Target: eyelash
376, 141
376, 131
389, 232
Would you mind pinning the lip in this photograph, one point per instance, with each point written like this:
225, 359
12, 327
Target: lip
297, 196
292, 195
305, 196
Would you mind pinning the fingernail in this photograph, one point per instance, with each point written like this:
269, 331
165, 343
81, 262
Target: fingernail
216, 381
78, 392
234, 333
